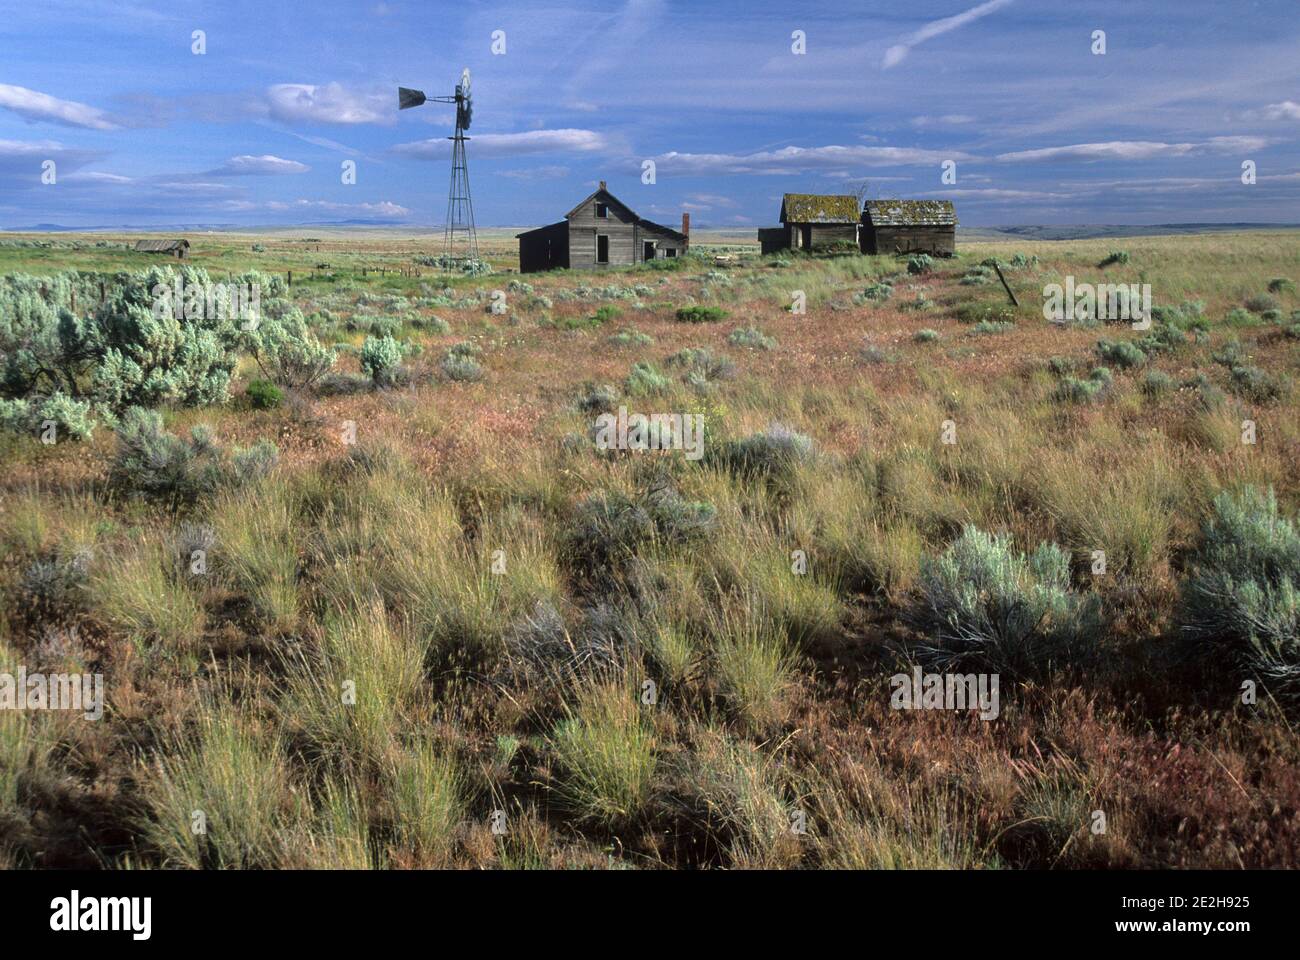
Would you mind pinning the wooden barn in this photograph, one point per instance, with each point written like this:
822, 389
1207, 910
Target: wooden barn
600, 232
909, 226
811, 221
176, 248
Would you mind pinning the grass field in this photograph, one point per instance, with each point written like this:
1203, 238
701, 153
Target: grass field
440, 627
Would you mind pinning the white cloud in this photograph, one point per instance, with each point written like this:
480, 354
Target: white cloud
20, 160
947, 120
899, 51
537, 173
1286, 110
246, 165
328, 103
512, 144
1134, 150
384, 209
789, 160
35, 105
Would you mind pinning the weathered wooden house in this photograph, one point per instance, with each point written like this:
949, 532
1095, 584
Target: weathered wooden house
811, 221
176, 248
909, 226
600, 232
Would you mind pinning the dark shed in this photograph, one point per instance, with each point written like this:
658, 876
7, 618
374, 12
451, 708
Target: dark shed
177, 248
909, 226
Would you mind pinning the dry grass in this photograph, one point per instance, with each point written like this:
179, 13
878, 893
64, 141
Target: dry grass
396, 639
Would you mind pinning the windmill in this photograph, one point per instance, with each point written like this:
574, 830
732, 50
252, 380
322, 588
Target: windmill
460, 208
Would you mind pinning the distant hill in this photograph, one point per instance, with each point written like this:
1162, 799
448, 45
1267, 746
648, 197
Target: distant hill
1093, 231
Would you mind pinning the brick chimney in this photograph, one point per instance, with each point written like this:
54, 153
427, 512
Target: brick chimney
602, 186
686, 225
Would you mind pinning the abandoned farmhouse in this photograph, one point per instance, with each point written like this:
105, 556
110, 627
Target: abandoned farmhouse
599, 232
819, 222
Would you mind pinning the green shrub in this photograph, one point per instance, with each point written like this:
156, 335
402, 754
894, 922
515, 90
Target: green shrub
70, 418
598, 398
1237, 317
1157, 383
880, 291
703, 363
1256, 385
631, 338
645, 380
133, 350
983, 603
926, 336
920, 263
1262, 303
1121, 353
263, 395
993, 326
1117, 256
697, 314
286, 350
154, 464
752, 338
380, 358
1074, 390
1242, 598
609, 529
1281, 285
772, 453
461, 367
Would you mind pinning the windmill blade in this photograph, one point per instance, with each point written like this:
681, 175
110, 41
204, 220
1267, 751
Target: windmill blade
406, 98
464, 83
466, 112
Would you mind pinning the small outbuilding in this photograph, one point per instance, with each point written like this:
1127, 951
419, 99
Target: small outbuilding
177, 248
600, 232
812, 221
909, 226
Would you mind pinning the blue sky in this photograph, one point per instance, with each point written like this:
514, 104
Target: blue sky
1041, 129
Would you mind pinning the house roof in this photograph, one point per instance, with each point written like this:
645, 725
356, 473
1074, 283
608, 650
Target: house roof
911, 213
549, 226
819, 208
609, 198
160, 246
675, 234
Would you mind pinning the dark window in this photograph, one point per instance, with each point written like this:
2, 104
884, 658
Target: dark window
670, 252
602, 248
648, 251
602, 210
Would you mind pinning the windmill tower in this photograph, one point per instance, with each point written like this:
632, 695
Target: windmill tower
459, 239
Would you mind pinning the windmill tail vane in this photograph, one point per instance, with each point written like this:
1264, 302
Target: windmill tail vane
460, 240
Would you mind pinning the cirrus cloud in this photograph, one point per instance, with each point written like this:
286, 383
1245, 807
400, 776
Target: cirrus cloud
37, 106
1133, 150
791, 160
512, 144
327, 103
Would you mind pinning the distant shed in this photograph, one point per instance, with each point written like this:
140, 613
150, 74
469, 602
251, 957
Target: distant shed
177, 248
815, 221
909, 226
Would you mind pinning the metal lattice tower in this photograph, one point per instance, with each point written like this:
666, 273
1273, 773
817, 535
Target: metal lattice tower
459, 238
460, 205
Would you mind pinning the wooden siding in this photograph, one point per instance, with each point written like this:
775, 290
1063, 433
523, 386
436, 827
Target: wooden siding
938, 241
620, 226
546, 248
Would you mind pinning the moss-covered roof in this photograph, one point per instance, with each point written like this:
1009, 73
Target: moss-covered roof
819, 208
911, 213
